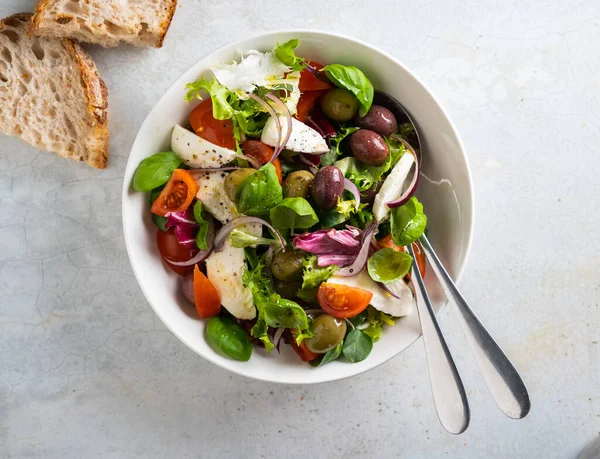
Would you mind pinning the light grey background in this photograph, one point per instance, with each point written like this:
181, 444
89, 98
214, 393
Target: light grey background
87, 370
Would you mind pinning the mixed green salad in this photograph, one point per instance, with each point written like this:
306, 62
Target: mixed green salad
286, 206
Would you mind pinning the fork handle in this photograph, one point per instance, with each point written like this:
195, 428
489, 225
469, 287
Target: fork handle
448, 391
502, 379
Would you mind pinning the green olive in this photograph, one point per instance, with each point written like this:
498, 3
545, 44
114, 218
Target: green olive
328, 331
235, 179
287, 266
339, 104
297, 184
287, 289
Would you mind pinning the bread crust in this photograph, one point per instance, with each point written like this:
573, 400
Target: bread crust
96, 94
55, 30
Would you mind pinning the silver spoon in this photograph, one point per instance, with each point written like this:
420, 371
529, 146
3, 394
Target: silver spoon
448, 391
502, 379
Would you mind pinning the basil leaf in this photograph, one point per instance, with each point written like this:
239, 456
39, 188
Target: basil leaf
362, 175
388, 265
158, 220
355, 81
285, 53
259, 192
357, 346
200, 217
329, 356
292, 213
408, 222
155, 171
219, 94
336, 146
229, 337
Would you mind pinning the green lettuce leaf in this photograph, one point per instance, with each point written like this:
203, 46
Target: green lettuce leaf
312, 278
285, 53
242, 239
336, 147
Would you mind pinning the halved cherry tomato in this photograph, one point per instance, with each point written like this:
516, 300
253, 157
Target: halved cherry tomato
306, 103
206, 296
170, 248
305, 354
263, 153
219, 132
342, 301
388, 242
309, 82
177, 195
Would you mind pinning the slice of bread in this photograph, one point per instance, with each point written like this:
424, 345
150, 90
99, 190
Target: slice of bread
105, 22
51, 95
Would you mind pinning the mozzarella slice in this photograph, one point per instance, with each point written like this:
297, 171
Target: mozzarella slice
211, 192
381, 300
225, 270
303, 138
197, 152
392, 186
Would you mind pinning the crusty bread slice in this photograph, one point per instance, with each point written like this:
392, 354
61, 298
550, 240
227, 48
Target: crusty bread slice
51, 95
105, 22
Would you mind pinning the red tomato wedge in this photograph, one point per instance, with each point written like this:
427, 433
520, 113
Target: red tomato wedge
342, 301
306, 103
309, 82
219, 132
419, 254
206, 296
263, 153
170, 248
177, 195
305, 354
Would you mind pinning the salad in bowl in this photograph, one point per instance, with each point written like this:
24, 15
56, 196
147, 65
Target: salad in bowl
286, 206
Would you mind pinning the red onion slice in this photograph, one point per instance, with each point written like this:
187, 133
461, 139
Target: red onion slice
187, 287
363, 255
277, 337
311, 166
351, 187
224, 232
255, 163
412, 187
288, 118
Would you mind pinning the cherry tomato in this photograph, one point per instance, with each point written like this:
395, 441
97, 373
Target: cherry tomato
219, 132
306, 103
263, 153
342, 301
170, 248
206, 296
177, 195
303, 351
309, 82
388, 242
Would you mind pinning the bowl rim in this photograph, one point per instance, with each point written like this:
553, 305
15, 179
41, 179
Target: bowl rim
180, 79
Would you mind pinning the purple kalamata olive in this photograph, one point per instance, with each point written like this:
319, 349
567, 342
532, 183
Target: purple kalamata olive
378, 119
369, 147
368, 196
327, 187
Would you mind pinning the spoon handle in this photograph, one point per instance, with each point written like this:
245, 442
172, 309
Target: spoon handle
502, 379
448, 391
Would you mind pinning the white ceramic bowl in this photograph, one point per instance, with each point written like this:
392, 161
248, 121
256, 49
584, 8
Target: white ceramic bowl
445, 190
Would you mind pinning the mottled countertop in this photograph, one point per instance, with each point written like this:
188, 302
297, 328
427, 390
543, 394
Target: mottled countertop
88, 370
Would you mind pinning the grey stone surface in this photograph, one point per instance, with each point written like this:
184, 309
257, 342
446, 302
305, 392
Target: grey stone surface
87, 370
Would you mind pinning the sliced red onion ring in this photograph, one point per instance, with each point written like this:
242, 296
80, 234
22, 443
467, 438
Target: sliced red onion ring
214, 169
255, 163
187, 287
351, 187
267, 106
387, 289
224, 232
288, 118
311, 167
363, 254
277, 337
412, 187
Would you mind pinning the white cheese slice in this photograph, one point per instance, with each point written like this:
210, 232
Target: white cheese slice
197, 152
211, 192
303, 138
